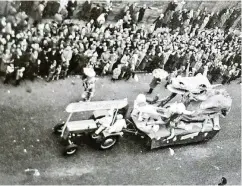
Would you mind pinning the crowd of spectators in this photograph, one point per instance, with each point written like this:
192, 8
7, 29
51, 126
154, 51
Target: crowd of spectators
179, 39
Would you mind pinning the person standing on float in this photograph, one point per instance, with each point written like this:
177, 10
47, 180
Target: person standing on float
158, 75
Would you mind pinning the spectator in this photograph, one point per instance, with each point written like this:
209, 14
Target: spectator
9, 73
52, 71
142, 13
113, 59
182, 40
65, 60
95, 12
19, 75
117, 72
86, 8
38, 8
101, 20
56, 75
71, 6
159, 22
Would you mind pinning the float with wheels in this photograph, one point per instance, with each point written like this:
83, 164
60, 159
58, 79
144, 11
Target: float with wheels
191, 119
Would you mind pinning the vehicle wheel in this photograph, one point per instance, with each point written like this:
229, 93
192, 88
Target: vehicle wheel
70, 149
58, 128
108, 142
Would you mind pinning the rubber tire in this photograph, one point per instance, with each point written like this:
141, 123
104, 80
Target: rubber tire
72, 147
58, 128
101, 144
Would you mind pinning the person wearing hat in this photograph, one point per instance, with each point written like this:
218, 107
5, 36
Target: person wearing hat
88, 83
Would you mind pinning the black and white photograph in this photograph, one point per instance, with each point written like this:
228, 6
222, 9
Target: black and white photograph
120, 92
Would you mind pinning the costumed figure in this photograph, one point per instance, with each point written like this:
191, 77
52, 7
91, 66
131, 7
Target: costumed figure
146, 117
110, 123
172, 114
104, 122
151, 119
88, 83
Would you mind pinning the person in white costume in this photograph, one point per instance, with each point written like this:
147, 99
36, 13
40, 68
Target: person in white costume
118, 125
104, 122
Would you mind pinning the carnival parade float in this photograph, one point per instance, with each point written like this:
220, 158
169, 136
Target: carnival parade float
192, 118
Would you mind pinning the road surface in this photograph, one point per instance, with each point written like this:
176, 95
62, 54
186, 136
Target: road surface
29, 112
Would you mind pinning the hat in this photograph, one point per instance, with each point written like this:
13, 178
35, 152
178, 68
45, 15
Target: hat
89, 72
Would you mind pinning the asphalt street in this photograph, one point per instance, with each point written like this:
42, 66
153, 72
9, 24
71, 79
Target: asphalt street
29, 112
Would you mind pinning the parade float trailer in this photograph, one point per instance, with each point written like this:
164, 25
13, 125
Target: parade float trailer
193, 119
